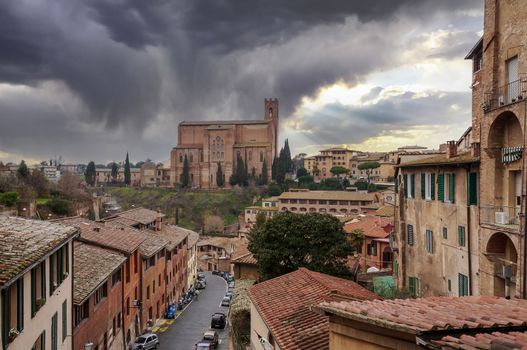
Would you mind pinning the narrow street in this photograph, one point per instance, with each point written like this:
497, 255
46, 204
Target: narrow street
189, 327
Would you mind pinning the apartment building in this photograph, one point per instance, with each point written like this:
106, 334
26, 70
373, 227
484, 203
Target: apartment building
437, 246
103, 176
269, 208
325, 202
36, 284
97, 297
192, 258
155, 175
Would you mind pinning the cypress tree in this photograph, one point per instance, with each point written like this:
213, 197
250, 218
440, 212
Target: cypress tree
22, 170
127, 174
90, 173
263, 176
185, 173
220, 177
274, 168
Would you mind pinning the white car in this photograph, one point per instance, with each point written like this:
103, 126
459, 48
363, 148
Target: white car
145, 342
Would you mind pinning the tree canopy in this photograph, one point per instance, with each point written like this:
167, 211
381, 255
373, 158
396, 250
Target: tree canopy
289, 241
185, 176
368, 166
89, 174
301, 172
338, 170
115, 171
22, 171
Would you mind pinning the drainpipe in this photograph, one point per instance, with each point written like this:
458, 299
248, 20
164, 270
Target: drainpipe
522, 213
469, 237
122, 307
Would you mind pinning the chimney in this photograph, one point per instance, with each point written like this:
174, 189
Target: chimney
158, 220
475, 149
451, 149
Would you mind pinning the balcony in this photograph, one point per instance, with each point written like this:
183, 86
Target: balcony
505, 269
510, 93
507, 217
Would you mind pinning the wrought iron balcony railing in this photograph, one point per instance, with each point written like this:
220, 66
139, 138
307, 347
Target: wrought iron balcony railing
504, 216
505, 95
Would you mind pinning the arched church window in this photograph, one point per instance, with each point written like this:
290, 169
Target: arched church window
191, 158
261, 156
180, 158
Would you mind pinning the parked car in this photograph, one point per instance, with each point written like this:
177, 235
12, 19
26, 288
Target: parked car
204, 345
231, 284
170, 311
226, 301
216, 272
201, 276
229, 294
201, 285
212, 337
145, 342
218, 320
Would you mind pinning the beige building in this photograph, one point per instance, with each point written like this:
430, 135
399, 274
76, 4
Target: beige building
192, 257
206, 144
36, 284
269, 207
104, 176
155, 175
325, 202
437, 245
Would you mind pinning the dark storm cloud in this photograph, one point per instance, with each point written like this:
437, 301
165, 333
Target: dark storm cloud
128, 62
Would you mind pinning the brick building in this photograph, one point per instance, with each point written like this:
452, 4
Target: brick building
97, 297
207, 143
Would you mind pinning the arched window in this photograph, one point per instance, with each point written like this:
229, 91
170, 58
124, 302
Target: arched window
270, 112
191, 157
250, 155
181, 158
261, 156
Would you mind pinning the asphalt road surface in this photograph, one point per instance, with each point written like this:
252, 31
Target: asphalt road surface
189, 327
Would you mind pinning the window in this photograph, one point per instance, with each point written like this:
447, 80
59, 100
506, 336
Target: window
180, 158
410, 234
462, 285
116, 277
261, 156
80, 312
147, 292
461, 235
409, 185
127, 306
153, 286
446, 187
64, 320
58, 267
429, 241
445, 233
449, 285
413, 286
371, 248
54, 340
136, 261
472, 189
250, 155
191, 157
100, 294
40, 343
127, 269
38, 287
428, 186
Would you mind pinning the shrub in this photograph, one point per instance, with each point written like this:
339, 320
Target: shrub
59, 206
9, 198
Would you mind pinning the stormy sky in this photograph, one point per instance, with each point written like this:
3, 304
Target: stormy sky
93, 79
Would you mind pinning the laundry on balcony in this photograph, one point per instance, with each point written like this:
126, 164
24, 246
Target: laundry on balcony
511, 154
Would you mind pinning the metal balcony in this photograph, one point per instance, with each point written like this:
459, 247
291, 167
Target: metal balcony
510, 93
502, 216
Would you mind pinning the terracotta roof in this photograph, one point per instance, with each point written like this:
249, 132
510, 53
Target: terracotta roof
193, 238
385, 210
121, 238
140, 215
434, 313
222, 242
328, 195
284, 304
25, 242
371, 226
242, 255
441, 159
121, 221
93, 265
492, 340
152, 244
174, 234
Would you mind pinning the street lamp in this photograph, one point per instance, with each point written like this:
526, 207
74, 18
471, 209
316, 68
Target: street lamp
88, 346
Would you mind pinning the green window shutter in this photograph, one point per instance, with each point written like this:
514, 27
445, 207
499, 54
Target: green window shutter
5, 316
43, 276
462, 285
472, 189
433, 186
395, 267
441, 187
410, 234
33, 292
412, 285
64, 320
51, 277
412, 180
405, 185
54, 342
452, 188
423, 185
20, 303
461, 236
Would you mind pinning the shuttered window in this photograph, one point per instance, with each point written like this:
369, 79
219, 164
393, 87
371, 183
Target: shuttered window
461, 236
405, 179
441, 187
20, 303
445, 233
472, 189
413, 285
429, 236
54, 341
412, 185
64, 320
423, 186
452, 188
410, 234
433, 186
462, 285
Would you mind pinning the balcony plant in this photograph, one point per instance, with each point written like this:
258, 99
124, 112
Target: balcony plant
13, 333
40, 302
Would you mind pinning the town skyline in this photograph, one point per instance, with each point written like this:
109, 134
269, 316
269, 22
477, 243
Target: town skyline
375, 99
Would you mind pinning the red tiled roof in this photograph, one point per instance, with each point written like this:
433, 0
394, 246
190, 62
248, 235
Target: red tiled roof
372, 226
494, 340
140, 215
284, 304
416, 316
174, 234
242, 255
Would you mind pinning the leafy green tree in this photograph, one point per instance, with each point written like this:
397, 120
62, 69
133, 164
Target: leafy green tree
59, 206
289, 241
9, 198
301, 172
305, 180
338, 170
22, 171
115, 171
316, 170
185, 176
90, 173
368, 166
220, 177
331, 184
274, 190
361, 185
263, 176
127, 174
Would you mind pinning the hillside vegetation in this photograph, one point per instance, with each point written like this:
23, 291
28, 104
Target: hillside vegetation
194, 206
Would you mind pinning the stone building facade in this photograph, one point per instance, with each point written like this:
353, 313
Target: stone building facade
209, 143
